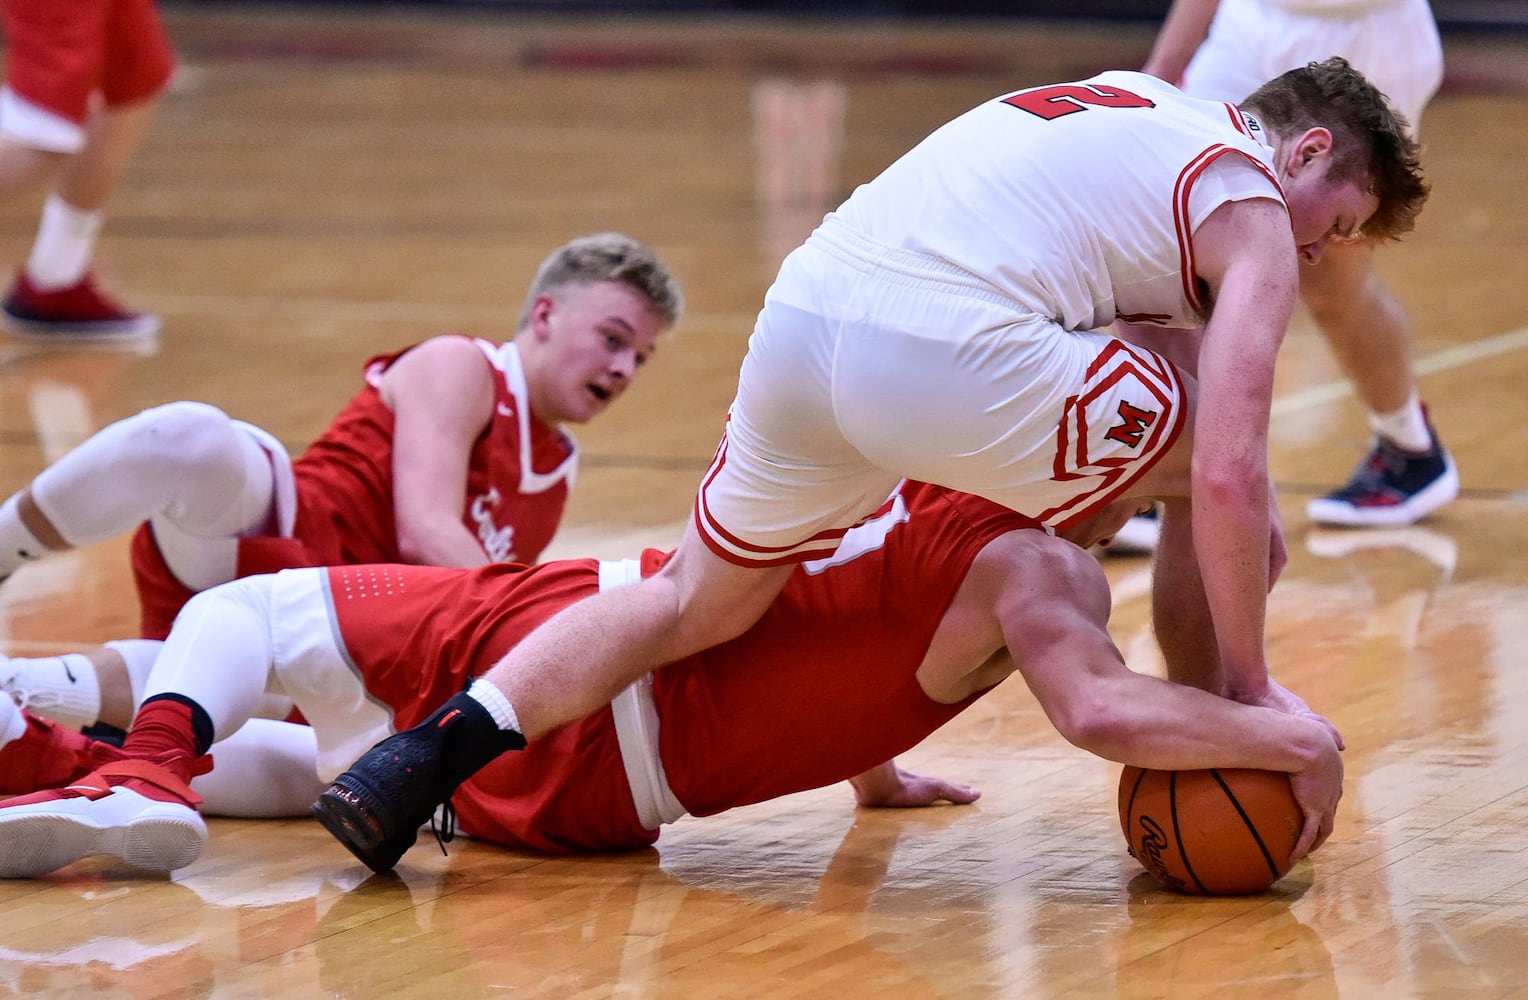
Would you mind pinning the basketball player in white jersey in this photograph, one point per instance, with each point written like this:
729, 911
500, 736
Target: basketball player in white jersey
937, 326
1222, 50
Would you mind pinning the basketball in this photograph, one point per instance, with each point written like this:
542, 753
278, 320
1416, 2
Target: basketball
1217, 832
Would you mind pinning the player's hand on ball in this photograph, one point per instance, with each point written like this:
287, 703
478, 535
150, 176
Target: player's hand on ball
1318, 789
1281, 699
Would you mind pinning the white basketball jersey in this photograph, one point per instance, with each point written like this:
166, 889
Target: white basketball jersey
1078, 200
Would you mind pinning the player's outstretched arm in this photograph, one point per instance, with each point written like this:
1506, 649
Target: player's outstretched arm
1054, 614
1246, 253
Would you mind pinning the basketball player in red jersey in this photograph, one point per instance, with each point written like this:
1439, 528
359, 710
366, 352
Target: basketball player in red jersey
923, 609
82, 80
453, 453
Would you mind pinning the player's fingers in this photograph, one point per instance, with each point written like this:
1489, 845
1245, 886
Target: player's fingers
1328, 822
1308, 838
1331, 727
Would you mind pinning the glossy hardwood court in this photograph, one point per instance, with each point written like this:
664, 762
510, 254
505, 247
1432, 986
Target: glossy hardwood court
322, 187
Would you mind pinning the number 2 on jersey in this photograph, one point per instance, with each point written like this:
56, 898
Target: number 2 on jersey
1051, 103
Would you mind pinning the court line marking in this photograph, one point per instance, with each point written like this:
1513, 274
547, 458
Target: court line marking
1428, 364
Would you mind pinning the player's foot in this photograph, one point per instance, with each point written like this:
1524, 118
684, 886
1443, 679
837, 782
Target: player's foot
75, 313
50, 687
141, 811
1392, 488
46, 755
1137, 536
377, 807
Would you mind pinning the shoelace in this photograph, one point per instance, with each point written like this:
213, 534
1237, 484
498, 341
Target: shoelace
446, 832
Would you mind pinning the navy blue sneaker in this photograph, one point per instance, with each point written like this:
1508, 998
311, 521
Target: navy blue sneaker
377, 807
1392, 488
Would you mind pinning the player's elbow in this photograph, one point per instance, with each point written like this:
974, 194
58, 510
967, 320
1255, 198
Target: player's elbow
1093, 721
1231, 484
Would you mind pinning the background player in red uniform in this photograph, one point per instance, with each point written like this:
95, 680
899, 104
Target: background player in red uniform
81, 83
453, 453
923, 609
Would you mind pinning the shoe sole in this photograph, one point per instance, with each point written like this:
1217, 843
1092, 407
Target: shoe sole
43, 837
1443, 491
42, 331
343, 809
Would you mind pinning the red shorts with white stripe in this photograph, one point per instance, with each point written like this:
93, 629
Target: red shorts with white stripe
60, 55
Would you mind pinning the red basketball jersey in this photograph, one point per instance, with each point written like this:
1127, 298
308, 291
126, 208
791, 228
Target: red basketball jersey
823, 688
518, 477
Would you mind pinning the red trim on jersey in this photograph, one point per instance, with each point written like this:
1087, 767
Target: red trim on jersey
1237, 121
1186, 179
739, 552
1120, 473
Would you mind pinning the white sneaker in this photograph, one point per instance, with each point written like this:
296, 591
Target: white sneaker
1137, 536
101, 815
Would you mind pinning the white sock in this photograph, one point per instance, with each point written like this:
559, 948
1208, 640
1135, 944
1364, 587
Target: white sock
62, 688
1406, 427
66, 239
17, 544
15, 725
139, 656
498, 706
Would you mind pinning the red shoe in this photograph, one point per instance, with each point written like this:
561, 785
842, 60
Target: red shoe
47, 755
78, 312
142, 811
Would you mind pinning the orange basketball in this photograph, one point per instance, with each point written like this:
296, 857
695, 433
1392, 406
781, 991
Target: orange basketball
1218, 832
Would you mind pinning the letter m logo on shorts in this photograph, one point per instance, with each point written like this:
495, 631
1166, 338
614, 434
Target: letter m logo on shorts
1133, 424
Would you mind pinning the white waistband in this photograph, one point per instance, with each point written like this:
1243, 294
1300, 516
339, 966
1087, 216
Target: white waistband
636, 726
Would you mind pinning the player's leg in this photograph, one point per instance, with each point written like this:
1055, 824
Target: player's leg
199, 477
207, 682
1407, 473
77, 690
88, 78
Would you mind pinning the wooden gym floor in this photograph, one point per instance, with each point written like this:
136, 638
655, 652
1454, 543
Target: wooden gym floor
323, 186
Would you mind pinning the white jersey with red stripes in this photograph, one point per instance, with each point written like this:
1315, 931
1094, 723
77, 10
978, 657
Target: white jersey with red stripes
1077, 200
941, 324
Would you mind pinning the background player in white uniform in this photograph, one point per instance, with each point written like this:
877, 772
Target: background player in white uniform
1222, 50
936, 328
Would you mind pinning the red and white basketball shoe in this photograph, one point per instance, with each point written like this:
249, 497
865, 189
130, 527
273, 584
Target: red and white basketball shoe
47, 755
141, 811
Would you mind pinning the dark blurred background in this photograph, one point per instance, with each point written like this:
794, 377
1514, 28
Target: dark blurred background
1451, 14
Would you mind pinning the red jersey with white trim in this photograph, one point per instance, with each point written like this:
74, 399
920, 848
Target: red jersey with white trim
821, 689
1077, 200
518, 477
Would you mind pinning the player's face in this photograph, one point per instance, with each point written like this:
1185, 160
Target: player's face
599, 335
1323, 211
1335, 213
